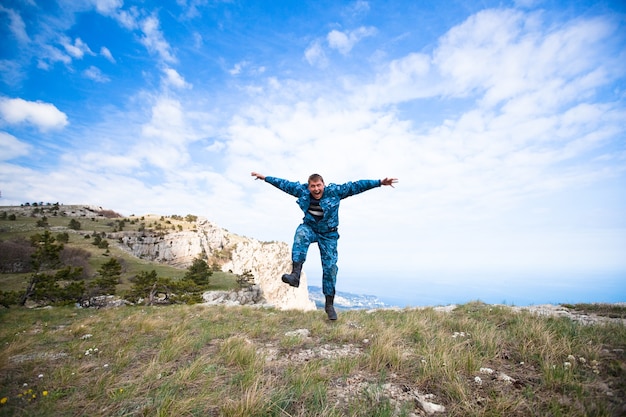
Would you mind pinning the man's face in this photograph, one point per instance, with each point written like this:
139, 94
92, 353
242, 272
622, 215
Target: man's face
316, 188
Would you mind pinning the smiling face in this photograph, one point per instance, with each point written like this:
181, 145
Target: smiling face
316, 188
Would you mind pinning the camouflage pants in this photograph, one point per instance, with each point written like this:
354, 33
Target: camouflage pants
327, 243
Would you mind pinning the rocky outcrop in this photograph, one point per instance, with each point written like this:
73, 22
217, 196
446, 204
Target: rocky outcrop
246, 296
266, 261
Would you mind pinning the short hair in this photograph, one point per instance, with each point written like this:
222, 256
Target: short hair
315, 177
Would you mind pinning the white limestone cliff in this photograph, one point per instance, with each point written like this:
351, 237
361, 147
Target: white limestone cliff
267, 261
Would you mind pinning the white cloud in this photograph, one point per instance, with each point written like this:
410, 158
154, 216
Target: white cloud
113, 8
43, 115
192, 8
127, 19
11, 147
77, 49
506, 53
345, 41
96, 162
315, 55
94, 73
154, 40
11, 72
49, 55
105, 52
167, 120
358, 8
16, 25
216, 146
107, 7
238, 67
165, 138
248, 67
404, 79
173, 78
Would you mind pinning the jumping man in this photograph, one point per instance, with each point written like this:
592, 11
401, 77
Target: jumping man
320, 204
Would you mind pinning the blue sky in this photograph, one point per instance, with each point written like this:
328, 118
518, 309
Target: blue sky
505, 122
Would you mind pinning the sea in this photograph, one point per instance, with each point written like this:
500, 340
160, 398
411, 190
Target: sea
519, 289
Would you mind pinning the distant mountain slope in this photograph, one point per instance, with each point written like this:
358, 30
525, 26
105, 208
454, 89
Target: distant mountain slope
346, 300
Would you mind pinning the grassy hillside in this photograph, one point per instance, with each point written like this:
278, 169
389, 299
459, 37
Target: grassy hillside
198, 360
195, 360
28, 220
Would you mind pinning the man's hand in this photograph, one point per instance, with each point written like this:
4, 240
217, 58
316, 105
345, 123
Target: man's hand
258, 176
389, 181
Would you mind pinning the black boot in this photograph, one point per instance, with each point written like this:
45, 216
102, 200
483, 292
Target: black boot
293, 279
330, 310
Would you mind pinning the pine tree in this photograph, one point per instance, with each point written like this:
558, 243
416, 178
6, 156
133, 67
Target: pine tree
110, 273
46, 257
199, 272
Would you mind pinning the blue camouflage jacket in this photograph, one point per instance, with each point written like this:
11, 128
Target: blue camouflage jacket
333, 194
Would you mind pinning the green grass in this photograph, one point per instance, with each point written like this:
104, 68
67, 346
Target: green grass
237, 361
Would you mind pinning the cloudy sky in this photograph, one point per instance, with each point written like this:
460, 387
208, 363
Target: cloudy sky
505, 122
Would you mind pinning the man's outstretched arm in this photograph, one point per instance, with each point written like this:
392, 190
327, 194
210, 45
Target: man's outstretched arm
351, 188
294, 188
